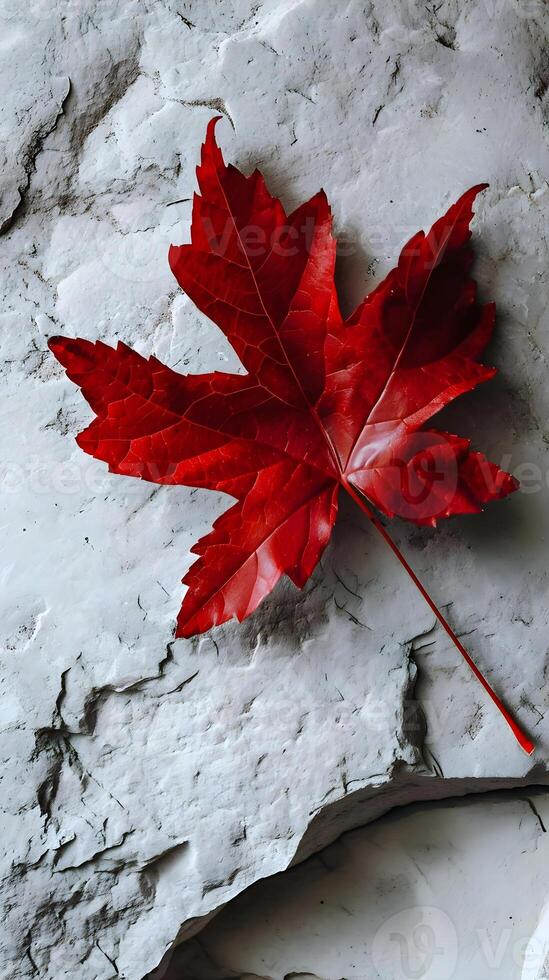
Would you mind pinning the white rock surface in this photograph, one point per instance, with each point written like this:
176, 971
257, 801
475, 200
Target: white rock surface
146, 784
428, 893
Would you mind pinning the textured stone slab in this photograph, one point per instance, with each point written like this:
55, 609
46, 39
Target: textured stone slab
146, 784
446, 892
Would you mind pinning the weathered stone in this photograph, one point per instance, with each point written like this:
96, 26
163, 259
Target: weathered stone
146, 783
446, 892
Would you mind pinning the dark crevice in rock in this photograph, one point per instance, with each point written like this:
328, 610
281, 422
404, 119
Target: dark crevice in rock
30, 157
171, 969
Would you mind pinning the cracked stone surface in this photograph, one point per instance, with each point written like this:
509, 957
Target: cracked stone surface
147, 783
446, 892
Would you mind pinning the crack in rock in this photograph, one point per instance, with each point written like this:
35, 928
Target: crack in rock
31, 152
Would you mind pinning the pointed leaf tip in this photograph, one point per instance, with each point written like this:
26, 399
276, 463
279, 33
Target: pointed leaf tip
63, 348
210, 130
54, 343
210, 142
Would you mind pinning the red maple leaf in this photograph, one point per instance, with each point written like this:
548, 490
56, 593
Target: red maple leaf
325, 404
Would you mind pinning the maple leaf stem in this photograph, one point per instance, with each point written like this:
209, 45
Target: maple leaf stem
525, 743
